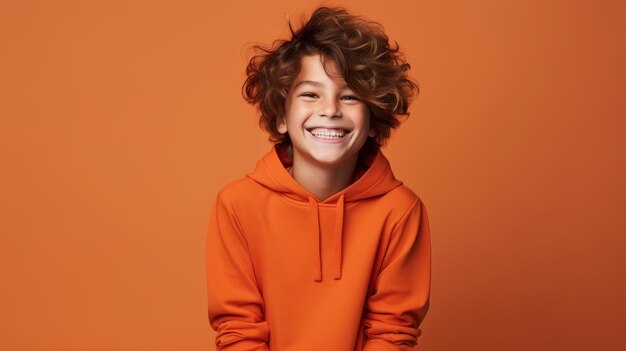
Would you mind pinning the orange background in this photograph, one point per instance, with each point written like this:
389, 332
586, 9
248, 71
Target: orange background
121, 119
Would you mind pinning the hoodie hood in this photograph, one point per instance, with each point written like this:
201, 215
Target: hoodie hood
373, 177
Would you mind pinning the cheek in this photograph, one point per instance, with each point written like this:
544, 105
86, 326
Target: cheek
298, 113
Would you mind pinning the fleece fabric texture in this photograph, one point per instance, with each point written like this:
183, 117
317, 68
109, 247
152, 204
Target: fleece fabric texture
288, 272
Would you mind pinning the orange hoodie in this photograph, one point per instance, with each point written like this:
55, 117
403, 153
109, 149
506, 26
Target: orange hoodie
288, 272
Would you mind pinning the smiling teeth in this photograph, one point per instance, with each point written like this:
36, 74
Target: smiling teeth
328, 133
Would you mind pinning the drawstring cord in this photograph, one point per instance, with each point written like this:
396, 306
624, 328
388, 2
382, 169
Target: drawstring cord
338, 239
317, 269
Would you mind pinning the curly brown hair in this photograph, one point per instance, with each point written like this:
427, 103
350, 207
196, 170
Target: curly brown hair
374, 69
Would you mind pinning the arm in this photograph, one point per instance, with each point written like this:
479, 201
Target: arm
401, 294
236, 307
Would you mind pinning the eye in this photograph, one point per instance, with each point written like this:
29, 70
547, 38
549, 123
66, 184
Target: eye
309, 95
350, 98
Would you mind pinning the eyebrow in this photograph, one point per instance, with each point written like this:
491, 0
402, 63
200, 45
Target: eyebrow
315, 83
310, 82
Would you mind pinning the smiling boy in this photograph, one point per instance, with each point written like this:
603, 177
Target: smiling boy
327, 125
321, 247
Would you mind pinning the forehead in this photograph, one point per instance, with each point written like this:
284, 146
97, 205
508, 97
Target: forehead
312, 71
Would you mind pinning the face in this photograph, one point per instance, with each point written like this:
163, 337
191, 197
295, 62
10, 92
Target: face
326, 121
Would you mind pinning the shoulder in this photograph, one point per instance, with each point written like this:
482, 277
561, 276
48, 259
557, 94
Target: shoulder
237, 190
403, 197
402, 201
403, 194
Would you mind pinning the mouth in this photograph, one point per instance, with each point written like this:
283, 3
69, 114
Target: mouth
330, 134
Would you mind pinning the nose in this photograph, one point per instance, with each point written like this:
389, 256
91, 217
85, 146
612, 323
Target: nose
329, 108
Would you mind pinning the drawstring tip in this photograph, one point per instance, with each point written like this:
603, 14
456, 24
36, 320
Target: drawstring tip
338, 274
317, 276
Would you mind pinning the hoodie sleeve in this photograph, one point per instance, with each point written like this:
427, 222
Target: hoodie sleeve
235, 305
401, 295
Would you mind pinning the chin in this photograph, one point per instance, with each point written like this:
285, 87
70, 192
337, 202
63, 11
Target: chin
330, 159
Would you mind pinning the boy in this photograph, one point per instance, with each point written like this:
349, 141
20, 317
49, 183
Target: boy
320, 247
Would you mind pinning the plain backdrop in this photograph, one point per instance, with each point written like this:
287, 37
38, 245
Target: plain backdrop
120, 120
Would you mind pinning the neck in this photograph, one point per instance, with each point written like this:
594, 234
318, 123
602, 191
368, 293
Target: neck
323, 181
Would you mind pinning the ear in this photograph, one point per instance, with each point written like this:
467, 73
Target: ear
372, 132
281, 125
